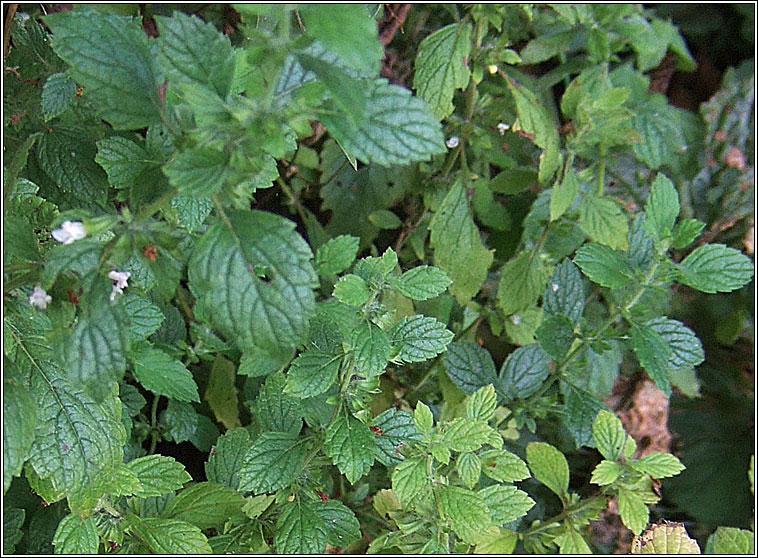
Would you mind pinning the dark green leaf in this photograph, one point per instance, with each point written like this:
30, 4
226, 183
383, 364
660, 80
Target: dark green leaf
19, 419
169, 536
371, 349
254, 280
300, 529
469, 366
662, 207
273, 462
342, 525
419, 338
441, 66
565, 292
506, 503
336, 255
181, 420
603, 265
76, 535
397, 430
524, 371
351, 445
205, 505
158, 475
522, 281
715, 268
57, 93
654, 353
312, 373
555, 335
458, 247
225, 461
111, 58
277, 411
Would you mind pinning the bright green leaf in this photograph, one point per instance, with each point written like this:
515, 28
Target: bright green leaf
169, 536
336, 255
603, 265
715, 268
563, 195
662, 207
205, 505
609, 435
464, 434
606, 472
522, 282
158, 475
467, 512
273, 462
221, 393
352, 290
549, 466
76, 535
730, 540
409, 480
164, 375
351, 445
419, 338
422, 282
601, 219
633, 511
503, 466
481, 404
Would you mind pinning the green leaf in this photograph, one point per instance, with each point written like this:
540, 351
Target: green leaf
571, 541
468, 514
273, 462
352, 290
257, 362
385, 219
564, 294
686, 349
337, 254
640, 254
524, 371
481, 404
255, 280
422, 282
730, 540
205, 505
94, 353
397, 129
57, 93
409, 480
227, 457
469, 468
686, 232
423, 418
158, 475
312, 373
197, 172
300, 529
506, 503
503, 466
469, 366
564, 194
659, 465
581, 408
534, 119
715, 268
606, 473
549, 466
603, 265
342, 525
609, 435
81, 257
662, 207
190, 49
221, 393
69, 161
144, 317
601, 219
76, 535
123, 160
19, 420
111, 58
497, 541
77, 442
189, 212
371, 349
665, 537
555, 335
633, 511
351, 445
441, 66
164, 375
180, 420
397, 430
276, 410
169, 536
654, 353
419, 338
458, 248
13, 520
522, 282
349, 31
464, 434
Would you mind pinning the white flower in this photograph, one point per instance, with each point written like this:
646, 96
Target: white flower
69, 232
120, 279
492, 68
39, 298
452, 142
502, 127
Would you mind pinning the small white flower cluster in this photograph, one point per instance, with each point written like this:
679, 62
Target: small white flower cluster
119, 279
39, 298
69, 232
452, 142
502, 127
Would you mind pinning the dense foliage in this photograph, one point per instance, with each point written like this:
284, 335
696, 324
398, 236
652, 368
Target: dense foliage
260, 299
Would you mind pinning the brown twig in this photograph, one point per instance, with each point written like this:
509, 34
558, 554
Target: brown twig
7, 31
389, 25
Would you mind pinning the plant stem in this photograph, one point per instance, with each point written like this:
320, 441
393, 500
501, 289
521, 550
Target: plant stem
154, 424
584, 504
151, 209
601, 171
293, 199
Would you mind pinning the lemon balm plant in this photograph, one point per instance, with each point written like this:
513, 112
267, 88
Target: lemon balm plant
226, 231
